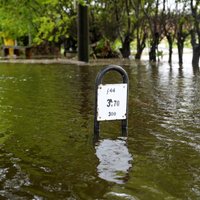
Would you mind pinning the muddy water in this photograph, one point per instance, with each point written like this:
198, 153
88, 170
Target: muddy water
46, 128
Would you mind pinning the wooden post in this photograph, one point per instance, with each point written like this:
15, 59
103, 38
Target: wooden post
83, 33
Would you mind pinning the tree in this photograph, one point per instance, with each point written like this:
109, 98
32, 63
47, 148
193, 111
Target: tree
153, 12
183, 31
15, 18
53, 22
140, 27
127, 37
195, 32
45, 20
169, 27
55, 18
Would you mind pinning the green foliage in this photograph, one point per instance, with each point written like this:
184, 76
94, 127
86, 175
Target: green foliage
14, 19
51, 28
45, 20
116, 45
52, 21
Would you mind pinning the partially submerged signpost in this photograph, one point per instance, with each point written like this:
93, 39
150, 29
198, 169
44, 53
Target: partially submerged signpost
111, 100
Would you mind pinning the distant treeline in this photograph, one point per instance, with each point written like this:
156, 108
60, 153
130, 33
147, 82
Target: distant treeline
52, 24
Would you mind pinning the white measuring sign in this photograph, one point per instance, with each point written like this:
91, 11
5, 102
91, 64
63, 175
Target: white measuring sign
112, 102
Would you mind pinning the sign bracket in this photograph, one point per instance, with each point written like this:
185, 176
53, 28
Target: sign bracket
99, 78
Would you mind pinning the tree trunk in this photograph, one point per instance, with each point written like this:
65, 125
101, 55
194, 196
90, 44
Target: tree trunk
125, 50
180, 53
154, 47
138, 54
140, 46
180, 44
196, 56
181, 37
196, 50
140, 49
170, 42
152, 53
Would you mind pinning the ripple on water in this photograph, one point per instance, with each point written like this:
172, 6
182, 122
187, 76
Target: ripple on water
12, 177
113, 195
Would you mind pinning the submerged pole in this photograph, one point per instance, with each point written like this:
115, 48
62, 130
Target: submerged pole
83, 33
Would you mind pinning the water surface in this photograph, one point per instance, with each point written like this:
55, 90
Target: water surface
46, 128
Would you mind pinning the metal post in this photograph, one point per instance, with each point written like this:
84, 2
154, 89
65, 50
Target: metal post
83, 33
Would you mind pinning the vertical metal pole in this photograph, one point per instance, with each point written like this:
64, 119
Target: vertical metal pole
83, 33
96, 123
125, 128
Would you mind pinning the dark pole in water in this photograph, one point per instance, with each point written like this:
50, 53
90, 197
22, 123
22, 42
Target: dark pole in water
83, 33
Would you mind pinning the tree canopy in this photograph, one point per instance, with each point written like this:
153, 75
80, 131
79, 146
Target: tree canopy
141, 21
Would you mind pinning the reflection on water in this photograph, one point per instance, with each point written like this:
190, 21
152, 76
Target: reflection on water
114, 160
46, 129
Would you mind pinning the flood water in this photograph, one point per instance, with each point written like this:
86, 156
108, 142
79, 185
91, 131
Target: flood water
46, 131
